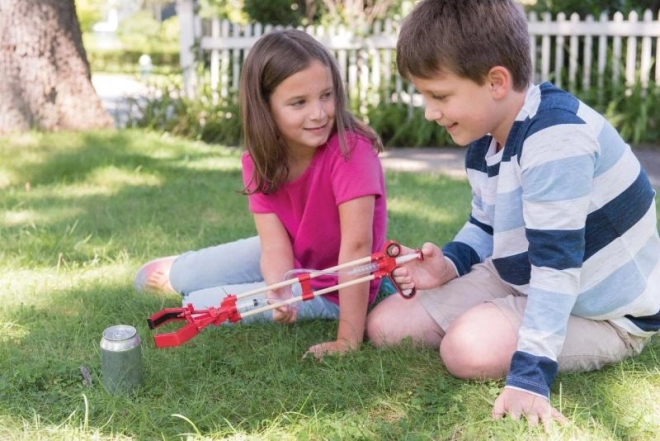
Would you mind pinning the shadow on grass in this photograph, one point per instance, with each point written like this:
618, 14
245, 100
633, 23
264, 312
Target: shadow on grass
228, 378
247, 379
106, 197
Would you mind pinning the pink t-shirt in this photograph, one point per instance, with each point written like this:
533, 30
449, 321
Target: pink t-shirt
308, 206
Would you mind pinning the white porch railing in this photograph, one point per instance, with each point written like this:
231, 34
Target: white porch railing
574, 54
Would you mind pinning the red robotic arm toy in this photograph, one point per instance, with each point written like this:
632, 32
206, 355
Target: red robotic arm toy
377, 266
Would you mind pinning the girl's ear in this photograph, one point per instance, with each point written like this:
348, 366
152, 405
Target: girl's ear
500, 82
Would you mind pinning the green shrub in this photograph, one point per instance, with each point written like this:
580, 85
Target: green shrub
634, 113
400, 126
277, 12
126, 61
140, 34
206, 118
215, 120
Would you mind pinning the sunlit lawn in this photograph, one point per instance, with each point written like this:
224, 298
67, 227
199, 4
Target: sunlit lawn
80, 213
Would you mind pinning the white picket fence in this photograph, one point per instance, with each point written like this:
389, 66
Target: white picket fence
574, 54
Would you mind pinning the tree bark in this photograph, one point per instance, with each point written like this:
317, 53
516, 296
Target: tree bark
45, 80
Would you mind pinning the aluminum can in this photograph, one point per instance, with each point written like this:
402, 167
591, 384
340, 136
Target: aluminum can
121, 359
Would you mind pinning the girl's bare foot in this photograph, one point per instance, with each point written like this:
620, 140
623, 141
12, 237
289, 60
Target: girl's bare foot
154, 276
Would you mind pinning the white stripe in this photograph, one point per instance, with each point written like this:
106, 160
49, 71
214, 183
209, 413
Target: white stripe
593, 119
509, 176
477, 178
510, 243
557, 142
551, 280
618, 178
558, 215
541, 344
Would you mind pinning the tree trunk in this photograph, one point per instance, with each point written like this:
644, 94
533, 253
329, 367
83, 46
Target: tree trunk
45, 80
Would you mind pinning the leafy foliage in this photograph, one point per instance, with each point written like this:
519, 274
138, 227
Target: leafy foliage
593, 7
215, 120
634, 112
279, 12
401, 126
206, 118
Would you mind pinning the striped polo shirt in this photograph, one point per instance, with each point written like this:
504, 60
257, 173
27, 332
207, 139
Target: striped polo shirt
568, 217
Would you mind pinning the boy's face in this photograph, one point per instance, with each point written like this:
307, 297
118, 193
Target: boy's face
464, 108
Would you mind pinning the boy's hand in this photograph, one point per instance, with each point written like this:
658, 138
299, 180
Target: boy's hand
331, 347
429, 273
282, 314
517, 403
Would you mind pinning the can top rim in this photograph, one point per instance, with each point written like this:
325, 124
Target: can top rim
119, 332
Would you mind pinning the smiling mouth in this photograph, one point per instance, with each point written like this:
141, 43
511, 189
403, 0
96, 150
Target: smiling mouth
451, 126
316, 129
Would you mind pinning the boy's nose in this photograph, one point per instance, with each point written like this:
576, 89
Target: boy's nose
432, 114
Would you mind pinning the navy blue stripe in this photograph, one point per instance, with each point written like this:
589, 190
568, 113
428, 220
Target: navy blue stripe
494, 170
552, 97
648, 323
475, 157
514, 269
463, 256
552, 118
512, 141
532, 373
618, 216
558, 249
483, 227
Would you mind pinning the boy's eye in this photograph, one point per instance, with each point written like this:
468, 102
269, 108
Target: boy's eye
439, 97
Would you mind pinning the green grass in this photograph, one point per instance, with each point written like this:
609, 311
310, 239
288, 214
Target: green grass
80, 213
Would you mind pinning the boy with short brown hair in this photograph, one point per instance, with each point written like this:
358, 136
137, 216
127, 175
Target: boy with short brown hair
558, 265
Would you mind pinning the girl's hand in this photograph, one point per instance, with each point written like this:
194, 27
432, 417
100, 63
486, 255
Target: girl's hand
284, 313
331, 347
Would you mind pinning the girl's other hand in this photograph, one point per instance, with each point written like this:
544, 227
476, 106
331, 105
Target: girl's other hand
331, 347
284, 313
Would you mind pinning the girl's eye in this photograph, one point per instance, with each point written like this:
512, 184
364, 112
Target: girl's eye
326, 95
297, 103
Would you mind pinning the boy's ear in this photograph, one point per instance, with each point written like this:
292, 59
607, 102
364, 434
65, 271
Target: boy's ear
500, 81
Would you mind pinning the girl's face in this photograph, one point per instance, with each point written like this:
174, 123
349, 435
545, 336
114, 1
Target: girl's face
303, 107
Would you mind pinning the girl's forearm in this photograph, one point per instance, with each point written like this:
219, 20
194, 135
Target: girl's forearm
353, 304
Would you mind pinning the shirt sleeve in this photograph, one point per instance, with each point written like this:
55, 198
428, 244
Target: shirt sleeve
359, 175
557, 169
257, 202
474, 242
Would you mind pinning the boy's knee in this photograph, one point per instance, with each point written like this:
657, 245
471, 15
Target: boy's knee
376, 326
466, 357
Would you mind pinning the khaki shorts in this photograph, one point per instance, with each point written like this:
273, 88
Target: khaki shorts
589, 344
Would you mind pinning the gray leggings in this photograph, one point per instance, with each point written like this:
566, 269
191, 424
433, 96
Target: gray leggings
207, 276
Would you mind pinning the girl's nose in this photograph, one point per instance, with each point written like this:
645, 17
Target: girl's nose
319, 111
